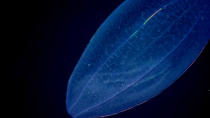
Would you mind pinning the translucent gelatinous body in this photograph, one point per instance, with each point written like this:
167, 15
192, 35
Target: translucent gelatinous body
140, 50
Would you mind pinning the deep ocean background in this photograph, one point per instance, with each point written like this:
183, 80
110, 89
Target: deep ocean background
56, 32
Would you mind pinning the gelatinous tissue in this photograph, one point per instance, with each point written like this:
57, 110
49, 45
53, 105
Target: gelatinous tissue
139, 50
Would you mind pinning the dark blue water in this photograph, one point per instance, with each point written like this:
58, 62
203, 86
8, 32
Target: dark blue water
57, 32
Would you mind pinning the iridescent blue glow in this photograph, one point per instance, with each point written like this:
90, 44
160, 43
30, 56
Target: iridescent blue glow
140, 50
